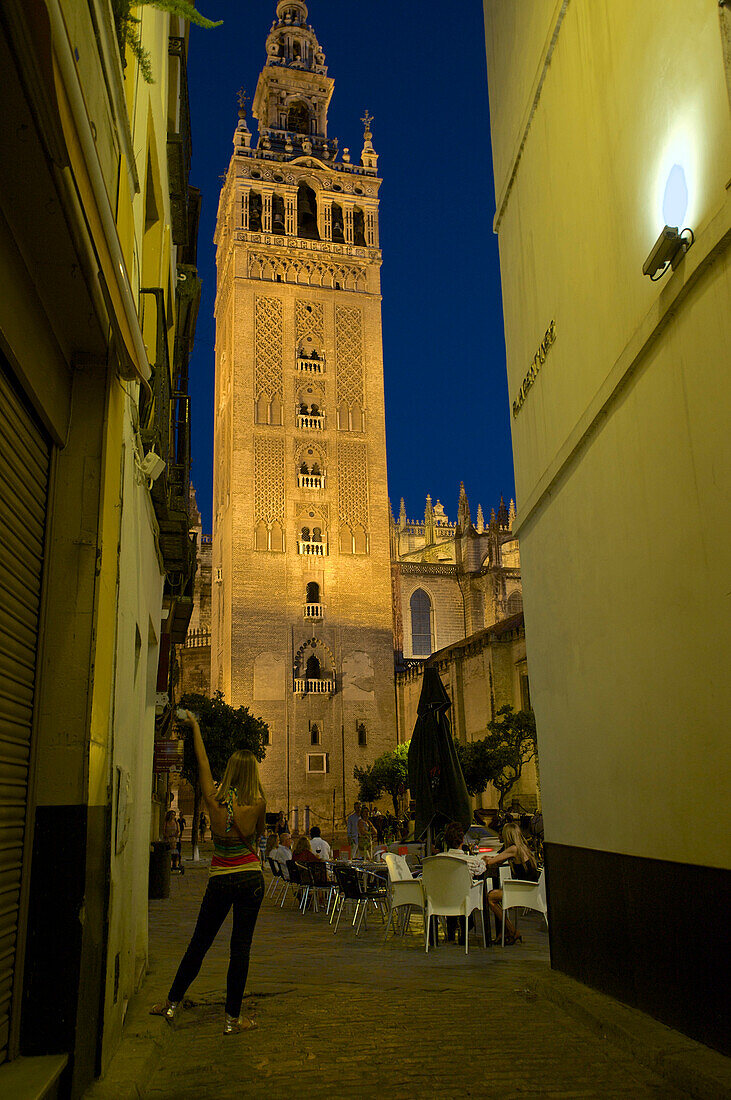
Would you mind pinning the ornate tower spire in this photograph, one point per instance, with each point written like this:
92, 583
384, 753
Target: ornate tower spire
480, 520
369, 157
294, 90
463, 509
429, 520
402, 515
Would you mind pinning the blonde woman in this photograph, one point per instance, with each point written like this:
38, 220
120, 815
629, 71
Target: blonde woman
236, 811
522, 861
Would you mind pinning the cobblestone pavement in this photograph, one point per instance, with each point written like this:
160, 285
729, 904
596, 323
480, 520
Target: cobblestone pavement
344, 1016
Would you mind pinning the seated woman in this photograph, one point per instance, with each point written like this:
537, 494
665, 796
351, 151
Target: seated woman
516, 852
302, 851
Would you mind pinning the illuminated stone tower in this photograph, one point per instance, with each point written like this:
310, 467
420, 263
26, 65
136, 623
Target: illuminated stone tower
302, 621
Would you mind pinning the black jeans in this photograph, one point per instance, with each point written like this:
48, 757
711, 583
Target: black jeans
244, 891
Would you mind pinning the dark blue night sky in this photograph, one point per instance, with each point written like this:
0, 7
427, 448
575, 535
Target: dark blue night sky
421, 73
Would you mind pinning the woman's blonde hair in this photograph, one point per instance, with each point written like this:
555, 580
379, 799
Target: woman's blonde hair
512, 835
302, 845
242, 776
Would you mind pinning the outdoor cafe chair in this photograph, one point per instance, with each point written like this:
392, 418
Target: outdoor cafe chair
298, 882
351, 888
405, 892
277, 879
449, 892
315, 881
530, 895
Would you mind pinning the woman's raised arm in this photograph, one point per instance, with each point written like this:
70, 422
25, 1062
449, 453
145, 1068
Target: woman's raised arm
208, 787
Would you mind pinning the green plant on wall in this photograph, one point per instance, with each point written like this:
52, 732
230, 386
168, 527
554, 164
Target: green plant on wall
127, 26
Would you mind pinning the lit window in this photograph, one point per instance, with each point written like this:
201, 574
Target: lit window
421, 633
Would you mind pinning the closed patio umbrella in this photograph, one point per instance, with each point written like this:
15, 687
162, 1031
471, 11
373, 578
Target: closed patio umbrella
435, 774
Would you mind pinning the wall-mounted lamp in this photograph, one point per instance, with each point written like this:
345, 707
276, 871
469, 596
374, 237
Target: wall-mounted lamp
667, 251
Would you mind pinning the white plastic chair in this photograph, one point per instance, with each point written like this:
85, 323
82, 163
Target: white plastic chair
530, 895
506, 872
404, 890
449, 892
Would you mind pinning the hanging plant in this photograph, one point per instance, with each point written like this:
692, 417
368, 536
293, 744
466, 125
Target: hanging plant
127, 26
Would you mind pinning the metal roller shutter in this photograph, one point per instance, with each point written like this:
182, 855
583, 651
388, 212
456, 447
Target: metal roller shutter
24, 464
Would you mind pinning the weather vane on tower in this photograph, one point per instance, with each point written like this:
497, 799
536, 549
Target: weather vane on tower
367, 120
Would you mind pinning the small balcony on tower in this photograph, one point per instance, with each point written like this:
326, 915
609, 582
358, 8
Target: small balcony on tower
310, 362
312, 543
314, 687
310, 481
309, 420
313, 609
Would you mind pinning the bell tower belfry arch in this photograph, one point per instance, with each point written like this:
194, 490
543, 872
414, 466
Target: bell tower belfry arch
301, 606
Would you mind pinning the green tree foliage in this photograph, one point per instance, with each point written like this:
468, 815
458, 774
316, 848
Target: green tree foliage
500, 757
224, 731
389, 772
127, 26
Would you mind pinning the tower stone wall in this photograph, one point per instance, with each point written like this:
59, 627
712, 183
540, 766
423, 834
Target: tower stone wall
301, 585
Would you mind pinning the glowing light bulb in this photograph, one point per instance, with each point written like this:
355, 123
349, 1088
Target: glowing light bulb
675, 199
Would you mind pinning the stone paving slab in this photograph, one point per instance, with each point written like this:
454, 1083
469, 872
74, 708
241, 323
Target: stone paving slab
346, 1016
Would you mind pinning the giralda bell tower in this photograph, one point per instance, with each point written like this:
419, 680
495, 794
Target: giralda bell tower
302, 622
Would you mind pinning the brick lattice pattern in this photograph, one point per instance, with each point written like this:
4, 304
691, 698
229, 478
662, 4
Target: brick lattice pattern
269, 480
268, 377
349, 353
353, 483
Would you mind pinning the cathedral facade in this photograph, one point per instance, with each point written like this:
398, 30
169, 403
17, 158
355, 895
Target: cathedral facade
301, 619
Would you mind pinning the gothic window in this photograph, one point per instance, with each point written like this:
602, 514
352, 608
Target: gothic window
359, 227
356, 419
317, 534
255, 212
312, 668
515, 604
307, 213
276, 538
338, 231
314, 732
346, 539
298, 117
313, 592
305, 534
278, 214
360, 729
261, 536
304, 468
360, 541
421, 627
275, 410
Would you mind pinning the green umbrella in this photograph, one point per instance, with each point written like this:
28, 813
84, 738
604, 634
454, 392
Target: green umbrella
435, 774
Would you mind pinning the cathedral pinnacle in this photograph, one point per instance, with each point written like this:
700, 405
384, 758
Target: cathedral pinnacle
369, 157
464, 519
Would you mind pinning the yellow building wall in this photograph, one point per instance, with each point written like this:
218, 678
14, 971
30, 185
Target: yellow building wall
623, 438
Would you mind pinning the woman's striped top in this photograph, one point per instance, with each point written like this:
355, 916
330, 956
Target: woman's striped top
232, 852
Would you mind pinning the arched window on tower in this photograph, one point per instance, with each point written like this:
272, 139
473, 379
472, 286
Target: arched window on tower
307, 213
421, 623
298, 117
278, 214
254, 212
313, 592
314, 733
312, 668
338, 230
358, 226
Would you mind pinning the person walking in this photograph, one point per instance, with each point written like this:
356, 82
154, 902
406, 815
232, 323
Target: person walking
237, 809
202, 826
171, 833
181, 825
352, 828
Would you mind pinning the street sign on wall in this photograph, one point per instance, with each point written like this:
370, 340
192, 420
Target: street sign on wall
168, 756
